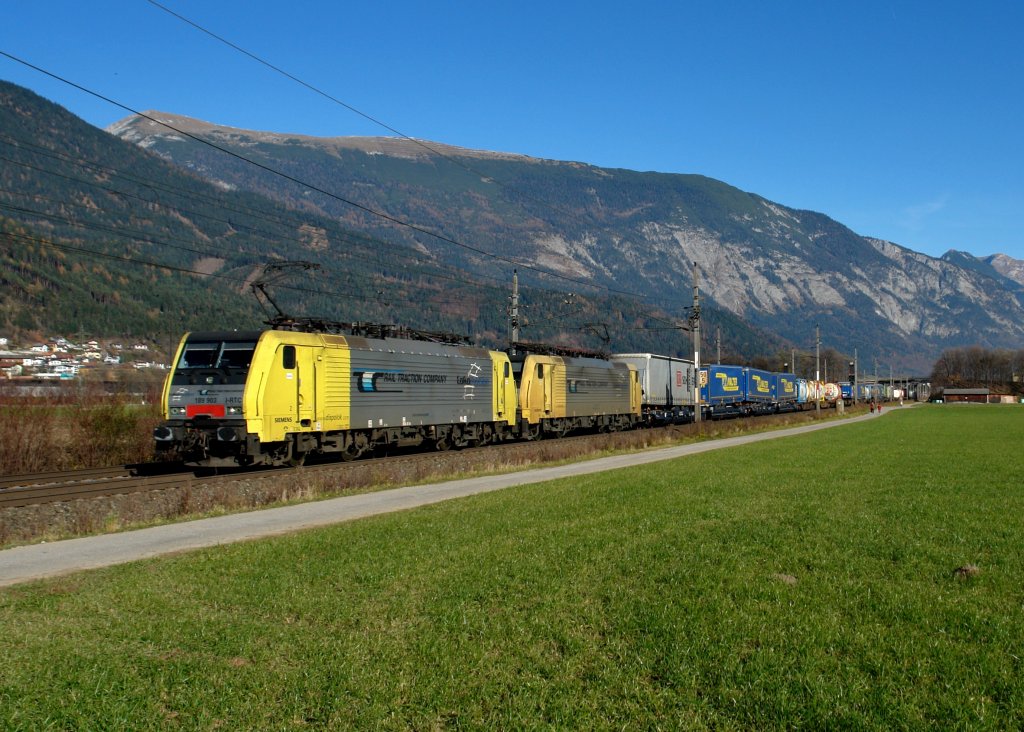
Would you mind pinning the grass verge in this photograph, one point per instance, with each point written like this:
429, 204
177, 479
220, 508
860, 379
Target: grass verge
805, 582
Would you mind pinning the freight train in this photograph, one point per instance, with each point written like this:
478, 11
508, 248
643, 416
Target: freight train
668, 390
275, 396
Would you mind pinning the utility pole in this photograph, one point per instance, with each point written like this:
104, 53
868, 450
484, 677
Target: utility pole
695, 322
856, 377
718, 343
792, 361
817, 369
513, 315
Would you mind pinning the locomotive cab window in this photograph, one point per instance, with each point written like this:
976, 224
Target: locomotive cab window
236, 355
216, 355
199, 356
288, 357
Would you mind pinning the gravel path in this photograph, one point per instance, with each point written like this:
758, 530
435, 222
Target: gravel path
25, 563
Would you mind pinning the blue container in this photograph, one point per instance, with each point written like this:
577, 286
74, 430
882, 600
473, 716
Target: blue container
785, 388
760, 386
723, 385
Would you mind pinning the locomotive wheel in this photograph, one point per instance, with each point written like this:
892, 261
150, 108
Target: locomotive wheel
295, 457
348, 455
458, 437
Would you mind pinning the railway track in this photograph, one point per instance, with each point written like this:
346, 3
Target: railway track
41, 479
53, 487
66, 504
36, 488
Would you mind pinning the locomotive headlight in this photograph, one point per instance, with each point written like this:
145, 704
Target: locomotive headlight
234, 410
178, 411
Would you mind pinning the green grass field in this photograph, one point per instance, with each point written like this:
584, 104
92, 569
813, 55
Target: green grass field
802, 582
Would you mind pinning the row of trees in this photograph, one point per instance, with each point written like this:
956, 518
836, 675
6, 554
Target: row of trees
1000, 370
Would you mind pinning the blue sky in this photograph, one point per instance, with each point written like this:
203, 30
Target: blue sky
902, 120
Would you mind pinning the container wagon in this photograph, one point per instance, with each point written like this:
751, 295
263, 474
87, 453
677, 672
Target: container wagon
666, 384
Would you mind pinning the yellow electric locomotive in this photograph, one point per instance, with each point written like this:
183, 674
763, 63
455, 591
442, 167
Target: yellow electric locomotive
273, 397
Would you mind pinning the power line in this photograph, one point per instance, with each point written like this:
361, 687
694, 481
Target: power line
310, 186
440, 153
152, 202
351, 108
538, 270
525, 194
126, 233
175, 190
331, 227
183, 270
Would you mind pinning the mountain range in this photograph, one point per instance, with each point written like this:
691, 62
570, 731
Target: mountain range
780, 269
99, 237
171, 219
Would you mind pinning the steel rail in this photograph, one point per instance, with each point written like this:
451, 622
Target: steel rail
64, 476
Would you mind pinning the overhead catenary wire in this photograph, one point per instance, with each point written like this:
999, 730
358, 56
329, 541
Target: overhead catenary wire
181, 270
421, 143
316, 90
367, 243
538, 270
144, 238
336, 229
318, 189
124, 232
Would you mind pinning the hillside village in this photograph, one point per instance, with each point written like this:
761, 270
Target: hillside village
58, 358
